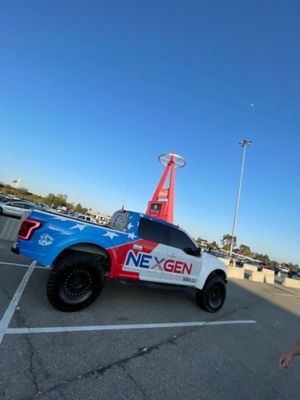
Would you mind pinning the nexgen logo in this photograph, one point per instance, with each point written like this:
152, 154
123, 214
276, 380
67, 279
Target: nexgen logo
144, 260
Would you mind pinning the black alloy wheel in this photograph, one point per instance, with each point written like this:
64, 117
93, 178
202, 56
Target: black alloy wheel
211, 298
75, 281
77, 286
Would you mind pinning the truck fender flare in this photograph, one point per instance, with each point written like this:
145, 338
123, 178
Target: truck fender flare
89, 248
217, 272
210, 266
84, 248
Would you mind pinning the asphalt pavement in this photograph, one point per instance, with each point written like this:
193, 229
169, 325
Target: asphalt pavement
118, 354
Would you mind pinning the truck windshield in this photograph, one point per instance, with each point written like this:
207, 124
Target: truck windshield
119, 220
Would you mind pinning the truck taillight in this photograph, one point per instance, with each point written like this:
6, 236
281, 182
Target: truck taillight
27, 228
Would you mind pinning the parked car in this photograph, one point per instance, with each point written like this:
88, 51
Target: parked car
17, 208
284, 270
239, 262
292, 274
265, 266
5, 199
217, 253
85, 218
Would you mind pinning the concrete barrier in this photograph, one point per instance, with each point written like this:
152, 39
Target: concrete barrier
292, 283
250, 267
235, 272
250, 272
279, 278
269, 276
257, 276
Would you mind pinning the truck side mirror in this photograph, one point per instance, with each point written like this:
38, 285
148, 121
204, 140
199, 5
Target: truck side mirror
198, 252
193, 252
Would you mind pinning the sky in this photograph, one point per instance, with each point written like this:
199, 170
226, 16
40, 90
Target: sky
91, 92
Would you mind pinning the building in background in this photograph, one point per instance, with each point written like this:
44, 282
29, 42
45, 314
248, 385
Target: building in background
99, 217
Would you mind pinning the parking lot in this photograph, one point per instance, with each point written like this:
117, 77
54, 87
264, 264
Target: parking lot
138, 342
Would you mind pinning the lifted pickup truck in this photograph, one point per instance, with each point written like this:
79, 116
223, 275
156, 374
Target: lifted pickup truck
132, 246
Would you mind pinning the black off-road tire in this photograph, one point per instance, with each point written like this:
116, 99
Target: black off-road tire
211, 298
1, 210
75, 281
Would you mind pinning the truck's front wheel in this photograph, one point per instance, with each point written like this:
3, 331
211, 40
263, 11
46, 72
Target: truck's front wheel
75, 281
212, 296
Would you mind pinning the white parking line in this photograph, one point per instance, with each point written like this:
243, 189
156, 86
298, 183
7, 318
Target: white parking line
287, 295
94, 328
14, 264
21, 265
5, 321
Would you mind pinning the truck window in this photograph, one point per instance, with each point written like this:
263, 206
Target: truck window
182, 241
152, 230
160, 233
119, 220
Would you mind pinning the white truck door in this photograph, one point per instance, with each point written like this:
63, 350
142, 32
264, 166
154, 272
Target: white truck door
182, 265
145, 258
152, 249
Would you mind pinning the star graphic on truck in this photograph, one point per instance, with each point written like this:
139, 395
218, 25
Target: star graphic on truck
110, 234
79, 226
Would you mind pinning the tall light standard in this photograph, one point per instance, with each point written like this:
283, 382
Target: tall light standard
244, 144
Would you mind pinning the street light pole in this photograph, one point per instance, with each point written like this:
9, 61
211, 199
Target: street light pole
244, 144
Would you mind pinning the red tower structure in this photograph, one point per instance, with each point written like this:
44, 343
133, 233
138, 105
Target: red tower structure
162, 203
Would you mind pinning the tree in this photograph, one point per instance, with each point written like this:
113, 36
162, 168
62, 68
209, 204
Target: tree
23, 190
274, 263
213, 245
226, 241
50, 199
59, 200
264, 258
245, 250
292, 267
70, 206
62, 199
78, 208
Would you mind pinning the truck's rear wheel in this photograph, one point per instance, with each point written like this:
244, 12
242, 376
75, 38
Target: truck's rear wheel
75, 281
211, 298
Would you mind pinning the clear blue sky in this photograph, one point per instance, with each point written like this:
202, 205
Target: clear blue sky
92, 92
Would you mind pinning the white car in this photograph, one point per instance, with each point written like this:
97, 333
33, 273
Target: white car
85, 218
15, 208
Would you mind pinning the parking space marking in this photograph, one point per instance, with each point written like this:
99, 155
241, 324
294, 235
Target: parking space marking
287, 295
5, 321
21, 265
94, 328
14, 264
